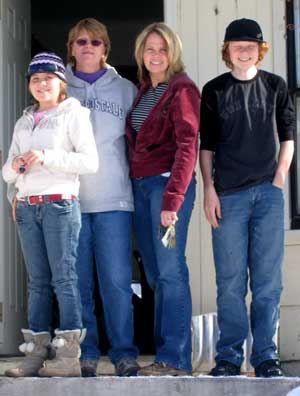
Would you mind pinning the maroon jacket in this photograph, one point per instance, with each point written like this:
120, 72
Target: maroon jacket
168, 139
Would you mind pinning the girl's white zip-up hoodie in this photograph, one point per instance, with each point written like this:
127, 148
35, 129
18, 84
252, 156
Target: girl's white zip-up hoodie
65, 135
109, 99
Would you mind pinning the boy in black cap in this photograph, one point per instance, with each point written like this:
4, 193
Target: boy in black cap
243, 113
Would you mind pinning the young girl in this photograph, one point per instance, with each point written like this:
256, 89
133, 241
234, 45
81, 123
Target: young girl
52, 144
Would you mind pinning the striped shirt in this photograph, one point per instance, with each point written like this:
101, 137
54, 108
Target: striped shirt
146, 104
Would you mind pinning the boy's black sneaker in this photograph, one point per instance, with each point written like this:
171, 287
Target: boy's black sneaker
225, 369
268, 368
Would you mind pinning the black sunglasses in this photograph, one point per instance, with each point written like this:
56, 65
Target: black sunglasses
95, 43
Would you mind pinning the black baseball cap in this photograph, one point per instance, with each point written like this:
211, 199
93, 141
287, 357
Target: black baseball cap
243, 30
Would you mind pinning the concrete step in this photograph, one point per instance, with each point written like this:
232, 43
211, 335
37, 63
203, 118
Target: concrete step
146, 386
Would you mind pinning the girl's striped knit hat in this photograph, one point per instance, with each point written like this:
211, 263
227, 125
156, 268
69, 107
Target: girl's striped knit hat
47, 62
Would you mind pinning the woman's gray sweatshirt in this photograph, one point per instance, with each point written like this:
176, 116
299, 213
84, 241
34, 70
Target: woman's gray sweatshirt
109, 100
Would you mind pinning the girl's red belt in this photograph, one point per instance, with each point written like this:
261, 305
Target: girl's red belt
40, 199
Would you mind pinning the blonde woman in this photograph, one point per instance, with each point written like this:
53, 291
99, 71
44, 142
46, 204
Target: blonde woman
162, 131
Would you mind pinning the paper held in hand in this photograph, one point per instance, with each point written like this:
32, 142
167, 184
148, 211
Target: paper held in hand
169, 240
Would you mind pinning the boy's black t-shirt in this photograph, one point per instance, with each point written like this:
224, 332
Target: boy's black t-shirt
240, 121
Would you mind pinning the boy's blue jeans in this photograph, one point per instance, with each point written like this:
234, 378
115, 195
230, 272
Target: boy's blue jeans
248, 244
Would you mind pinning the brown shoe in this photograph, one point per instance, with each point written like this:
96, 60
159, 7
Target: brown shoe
160, 369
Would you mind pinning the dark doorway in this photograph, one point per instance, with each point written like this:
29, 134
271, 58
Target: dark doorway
124, 20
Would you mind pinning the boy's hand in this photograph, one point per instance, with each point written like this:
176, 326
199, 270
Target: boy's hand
212, 206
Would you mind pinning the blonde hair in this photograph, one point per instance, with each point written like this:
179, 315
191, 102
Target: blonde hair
96, 30
263, 48
174, 50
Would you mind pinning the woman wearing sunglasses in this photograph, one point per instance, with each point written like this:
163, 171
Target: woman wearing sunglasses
106, 199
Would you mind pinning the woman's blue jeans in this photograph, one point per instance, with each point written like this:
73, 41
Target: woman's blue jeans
49, 238
249, 244
105, 238
166, 270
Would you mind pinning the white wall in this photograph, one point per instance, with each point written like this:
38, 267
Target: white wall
201, 26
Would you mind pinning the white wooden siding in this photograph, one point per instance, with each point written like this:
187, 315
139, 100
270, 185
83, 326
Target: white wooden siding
201, 25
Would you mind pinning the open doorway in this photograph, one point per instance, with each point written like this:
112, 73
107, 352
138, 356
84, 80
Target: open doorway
49, 31
124, 20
